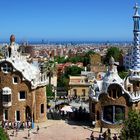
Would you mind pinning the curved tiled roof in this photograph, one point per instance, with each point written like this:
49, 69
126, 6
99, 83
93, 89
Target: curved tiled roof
29, 71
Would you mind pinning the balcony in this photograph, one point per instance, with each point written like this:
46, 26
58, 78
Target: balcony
7, 104
6, 97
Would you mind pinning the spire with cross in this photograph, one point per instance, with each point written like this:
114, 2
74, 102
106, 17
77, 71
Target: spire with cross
136, 7
135, 49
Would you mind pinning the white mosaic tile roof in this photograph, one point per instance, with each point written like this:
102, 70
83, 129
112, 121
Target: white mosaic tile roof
29, 71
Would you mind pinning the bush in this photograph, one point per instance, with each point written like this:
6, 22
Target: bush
3, 135
131, 129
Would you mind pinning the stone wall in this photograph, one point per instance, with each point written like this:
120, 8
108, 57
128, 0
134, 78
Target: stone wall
40, 97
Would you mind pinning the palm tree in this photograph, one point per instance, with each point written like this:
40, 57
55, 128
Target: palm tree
50, 68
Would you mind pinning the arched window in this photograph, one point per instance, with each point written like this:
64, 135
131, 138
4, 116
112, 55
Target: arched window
6, 68
129, 88
114, 114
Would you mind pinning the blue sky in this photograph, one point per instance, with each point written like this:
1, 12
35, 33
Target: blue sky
95, 20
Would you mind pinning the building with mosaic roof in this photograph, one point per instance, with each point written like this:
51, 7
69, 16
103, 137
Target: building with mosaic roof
112, 97
22, 87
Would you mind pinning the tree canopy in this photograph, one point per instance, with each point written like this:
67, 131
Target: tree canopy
49, 91
85, 59
63, 81
60, 59
73, 70
123, 74
131, 129
114, 52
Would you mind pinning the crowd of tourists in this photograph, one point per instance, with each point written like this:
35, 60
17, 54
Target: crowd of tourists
105, 136
16, 125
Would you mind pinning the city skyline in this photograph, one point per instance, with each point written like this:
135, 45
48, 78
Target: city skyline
72, 20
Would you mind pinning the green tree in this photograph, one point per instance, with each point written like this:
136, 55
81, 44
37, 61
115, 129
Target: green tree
50, 68
49, 91
75, 59
89, 53
60, 59
131, 129
78, 58
3, 135
86, 59
73, 70
63, 82
114, 52
123, 74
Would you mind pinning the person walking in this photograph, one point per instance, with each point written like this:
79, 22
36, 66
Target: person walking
16, 132
115, 137
37, 129
100, 137
104, 135
29, 133
92, 136
13, 132
108, 134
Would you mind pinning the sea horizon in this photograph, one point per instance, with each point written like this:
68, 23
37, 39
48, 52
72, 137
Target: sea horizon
69, 42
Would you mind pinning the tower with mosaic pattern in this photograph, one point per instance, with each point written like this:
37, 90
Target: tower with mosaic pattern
135, 63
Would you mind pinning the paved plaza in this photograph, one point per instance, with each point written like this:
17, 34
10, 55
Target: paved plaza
56, 130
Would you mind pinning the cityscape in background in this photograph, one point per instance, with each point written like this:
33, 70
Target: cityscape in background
82, 84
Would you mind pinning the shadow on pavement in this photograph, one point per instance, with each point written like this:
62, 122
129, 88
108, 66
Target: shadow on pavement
25, 137
86, 125
80, 123
34, 132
